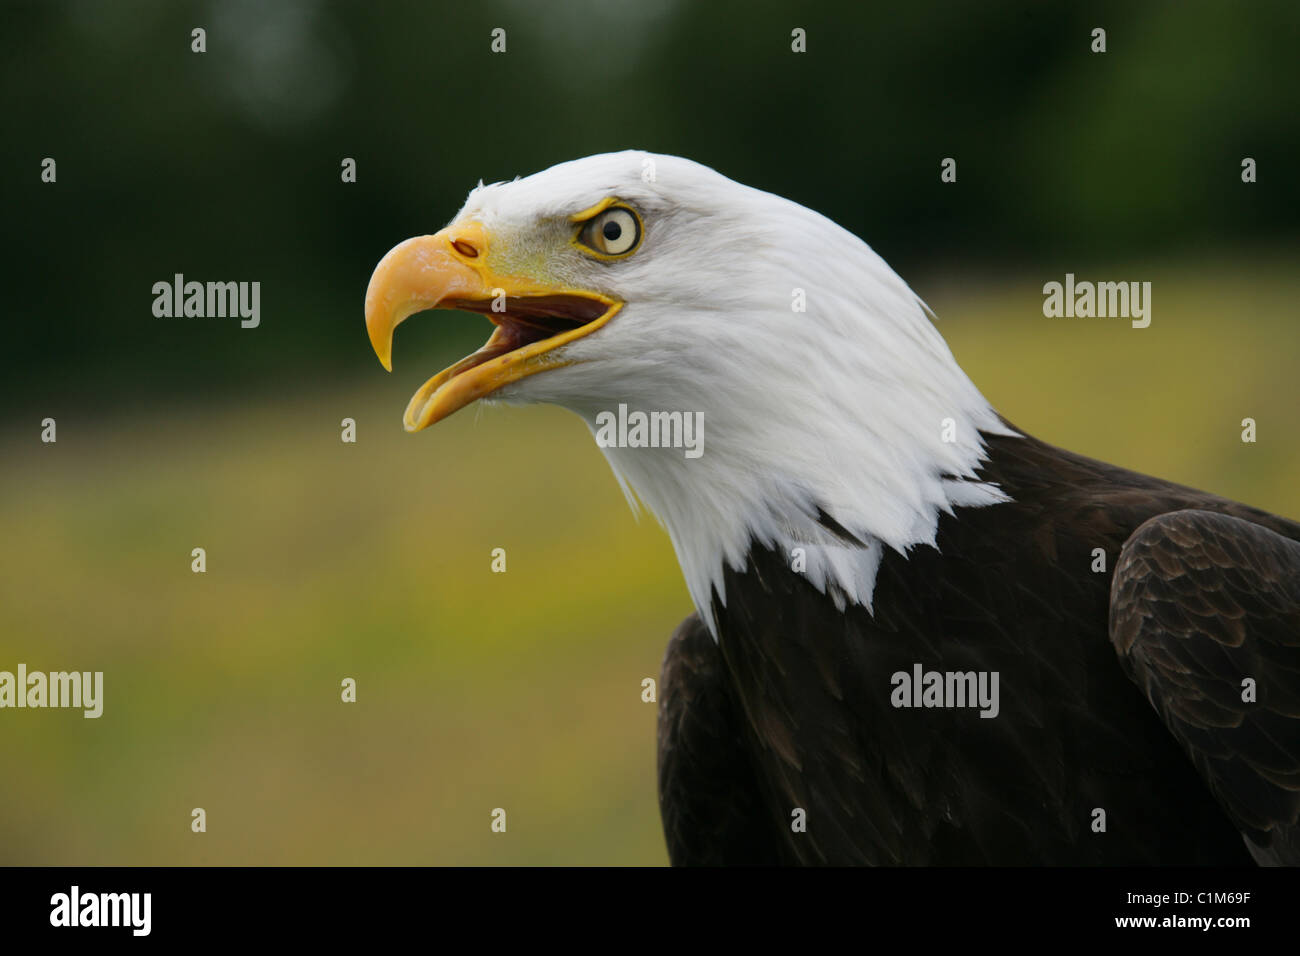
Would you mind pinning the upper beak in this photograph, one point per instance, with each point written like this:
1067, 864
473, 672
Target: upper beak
449, 269
419, 274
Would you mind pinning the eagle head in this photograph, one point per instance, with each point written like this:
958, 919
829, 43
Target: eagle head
835, 419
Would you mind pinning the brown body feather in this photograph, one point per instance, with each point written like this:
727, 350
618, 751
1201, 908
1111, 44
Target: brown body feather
791, 708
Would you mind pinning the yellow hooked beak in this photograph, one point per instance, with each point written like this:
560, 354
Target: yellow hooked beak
449, 270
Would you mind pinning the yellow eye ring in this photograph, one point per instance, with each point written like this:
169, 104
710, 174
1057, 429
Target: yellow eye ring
614, 232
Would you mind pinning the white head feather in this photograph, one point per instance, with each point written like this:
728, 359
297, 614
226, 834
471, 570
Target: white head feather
841, 407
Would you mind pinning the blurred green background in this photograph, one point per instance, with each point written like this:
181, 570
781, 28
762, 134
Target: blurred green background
328, 560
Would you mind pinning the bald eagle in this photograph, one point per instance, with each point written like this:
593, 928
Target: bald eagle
921, 636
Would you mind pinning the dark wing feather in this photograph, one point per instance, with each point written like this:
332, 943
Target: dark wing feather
1200, 602
709, 795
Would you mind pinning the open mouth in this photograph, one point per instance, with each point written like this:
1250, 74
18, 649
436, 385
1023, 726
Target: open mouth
529, 328
452, 270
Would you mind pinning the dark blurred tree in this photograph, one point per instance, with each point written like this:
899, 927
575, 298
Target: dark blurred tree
225, 165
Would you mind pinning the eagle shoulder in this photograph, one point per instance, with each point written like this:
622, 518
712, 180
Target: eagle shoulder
1205, 618
708, 790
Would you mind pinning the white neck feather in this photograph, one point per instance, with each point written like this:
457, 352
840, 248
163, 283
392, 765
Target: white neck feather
856, 407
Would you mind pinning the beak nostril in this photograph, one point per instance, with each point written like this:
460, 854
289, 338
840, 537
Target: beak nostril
464, 248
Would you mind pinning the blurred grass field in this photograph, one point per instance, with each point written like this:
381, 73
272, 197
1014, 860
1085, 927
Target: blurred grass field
476, 690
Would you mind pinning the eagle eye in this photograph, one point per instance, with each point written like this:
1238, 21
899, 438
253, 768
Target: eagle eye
614, 232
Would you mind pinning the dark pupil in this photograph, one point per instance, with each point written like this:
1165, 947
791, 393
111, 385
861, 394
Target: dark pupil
611, 230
